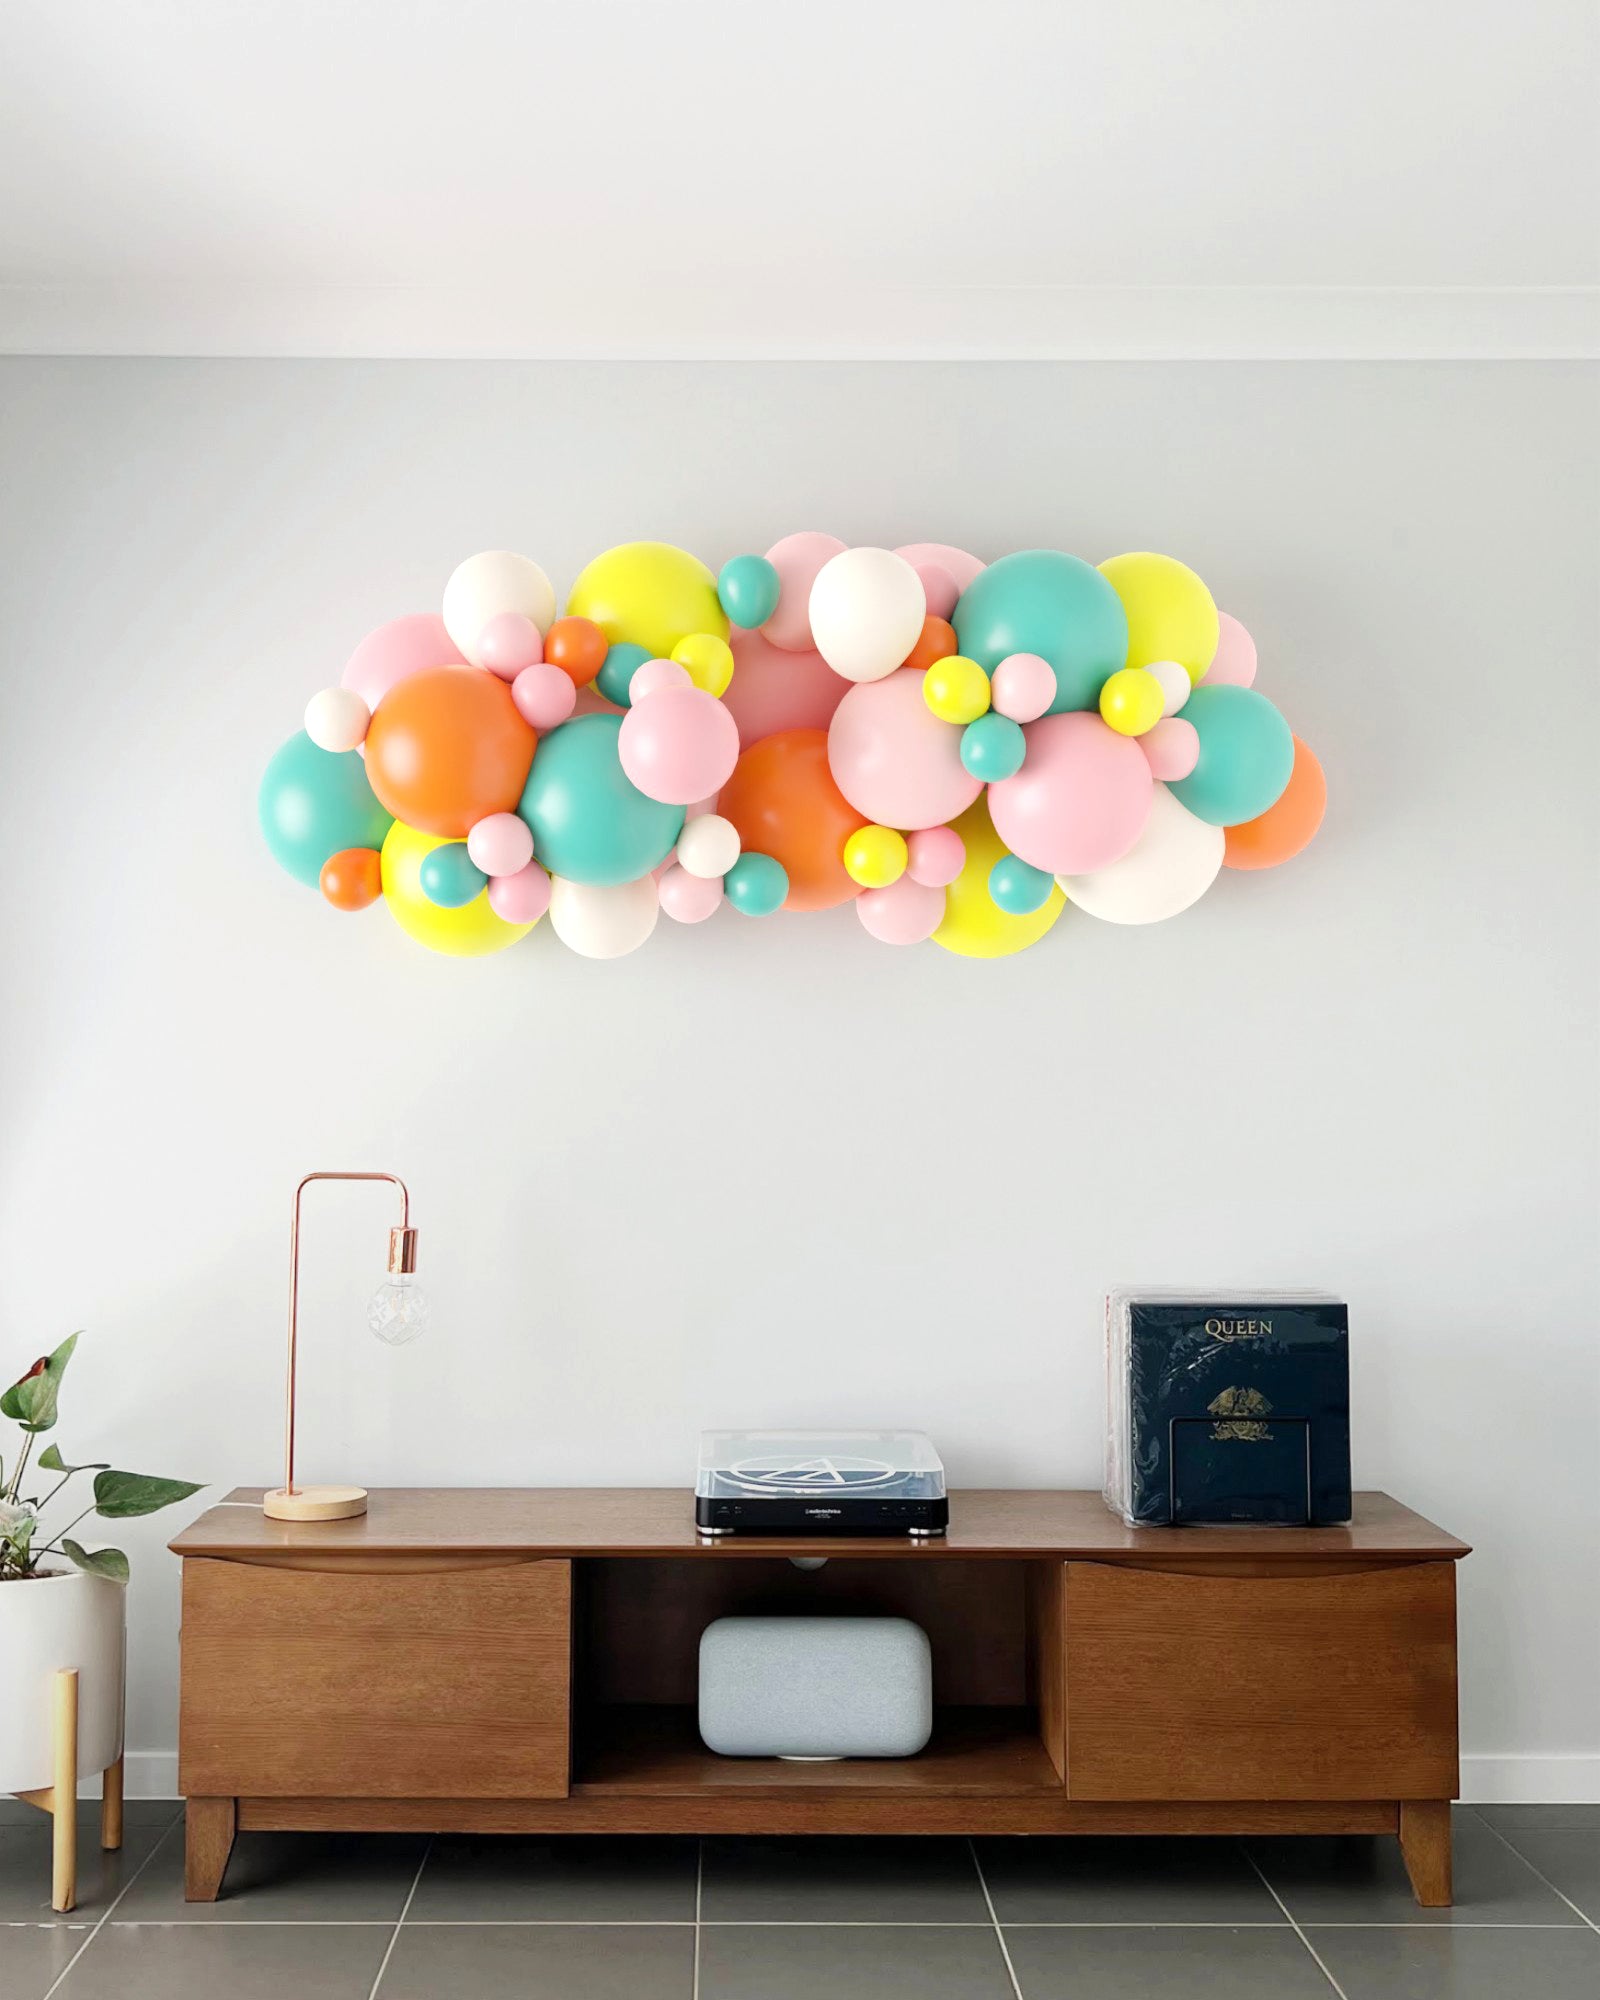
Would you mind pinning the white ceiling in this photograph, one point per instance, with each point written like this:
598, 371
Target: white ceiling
773, 177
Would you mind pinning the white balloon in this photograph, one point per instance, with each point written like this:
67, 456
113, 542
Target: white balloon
1175, 684
1171, 865
485, 585
337, 719
708, 847
867, 608
603, 922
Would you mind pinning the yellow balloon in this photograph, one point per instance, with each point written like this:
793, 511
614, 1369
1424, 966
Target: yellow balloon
468, 932
1132, 701
648, 594
706, 659
956, 689
875, 856
974, 924
1171, 615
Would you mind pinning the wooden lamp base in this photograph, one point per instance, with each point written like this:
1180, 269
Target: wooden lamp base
315, 1503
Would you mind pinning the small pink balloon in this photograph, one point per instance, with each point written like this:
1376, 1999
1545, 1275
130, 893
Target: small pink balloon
689, 899
935, 856
938, 587
797, 559
893, 758
544, 695
774, 688
501, 844
678, 745
1171, 747
510, 642
654, 675
700, 808
522, 898
1234, 662
402, 647
1022, 687
1080, 800
904, 913
956, 563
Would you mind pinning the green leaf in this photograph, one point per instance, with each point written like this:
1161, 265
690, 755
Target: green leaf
119, 1495
111, 1563
31, 1401
50, 1460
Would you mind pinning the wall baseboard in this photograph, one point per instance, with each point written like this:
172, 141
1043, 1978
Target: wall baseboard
1499, 1781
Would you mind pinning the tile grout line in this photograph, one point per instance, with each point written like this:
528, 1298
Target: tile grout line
1290, 1917
699, 1883
394, 1935
1000, 1936
155, 1848
1545, 1879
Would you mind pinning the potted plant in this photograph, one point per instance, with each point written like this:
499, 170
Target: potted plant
61, 1609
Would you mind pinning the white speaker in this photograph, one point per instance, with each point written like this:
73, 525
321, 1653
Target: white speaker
815, 1687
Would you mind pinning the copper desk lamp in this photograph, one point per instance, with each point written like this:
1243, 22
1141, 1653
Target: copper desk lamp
396, 1312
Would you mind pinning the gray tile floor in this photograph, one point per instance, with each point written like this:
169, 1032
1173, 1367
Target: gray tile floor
391, 1918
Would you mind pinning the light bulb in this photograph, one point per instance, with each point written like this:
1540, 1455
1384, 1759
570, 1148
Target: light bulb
398, 1310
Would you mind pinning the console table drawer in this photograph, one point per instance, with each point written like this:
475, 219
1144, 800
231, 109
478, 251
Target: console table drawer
337, 1682
1311, 1686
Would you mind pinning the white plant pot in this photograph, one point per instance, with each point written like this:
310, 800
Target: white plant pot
47, 1623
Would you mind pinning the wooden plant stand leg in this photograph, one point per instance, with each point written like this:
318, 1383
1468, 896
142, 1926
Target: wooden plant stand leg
111, 1806
208, 1830
60, 1798
1425, 1846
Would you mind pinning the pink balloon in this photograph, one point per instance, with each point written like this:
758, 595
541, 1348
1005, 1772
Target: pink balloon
797, 559
678, 745
1022, 687
904, 913
403, 646
522, 898
1234, 663
956, 563
501, 844
938, 588
893, 758
935, 856
690, 899
510, 642
651, 676
1080, 800
544, 695
774, 688
1171, 747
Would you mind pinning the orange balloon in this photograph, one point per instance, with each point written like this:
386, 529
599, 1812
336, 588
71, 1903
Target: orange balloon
1284, 828
578, 647
447, 747
936, 641
352, 878
784, 802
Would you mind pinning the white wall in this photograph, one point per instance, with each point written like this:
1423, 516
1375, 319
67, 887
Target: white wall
777, 1172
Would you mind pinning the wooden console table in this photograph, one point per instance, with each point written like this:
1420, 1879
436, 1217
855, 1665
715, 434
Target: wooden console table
478, 1660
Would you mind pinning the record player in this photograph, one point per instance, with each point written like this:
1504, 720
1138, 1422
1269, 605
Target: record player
819, 1483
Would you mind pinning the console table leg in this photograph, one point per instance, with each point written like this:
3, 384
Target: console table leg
208, 1829
1425, 1844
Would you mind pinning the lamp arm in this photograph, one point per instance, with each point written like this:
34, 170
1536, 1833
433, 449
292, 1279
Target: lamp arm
294, 1288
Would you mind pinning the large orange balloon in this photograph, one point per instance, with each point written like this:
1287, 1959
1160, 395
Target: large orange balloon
1283, 829
784, 802
446, 747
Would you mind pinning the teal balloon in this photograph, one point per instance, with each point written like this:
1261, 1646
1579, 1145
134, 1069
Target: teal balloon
1246, 755
449, 876
1018, 888
1041, 601
993, 748
748, 590
620, 665
756, 884
589, 823
315, 803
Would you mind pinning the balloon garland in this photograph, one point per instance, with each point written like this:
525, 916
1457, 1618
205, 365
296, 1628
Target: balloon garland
960, 749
